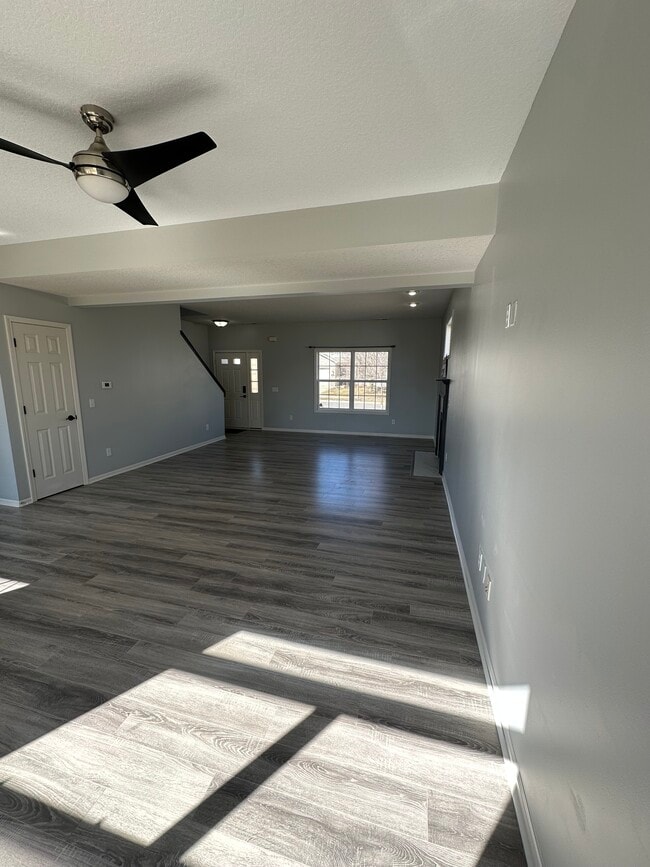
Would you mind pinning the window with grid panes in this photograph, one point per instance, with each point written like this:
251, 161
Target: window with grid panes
352, 380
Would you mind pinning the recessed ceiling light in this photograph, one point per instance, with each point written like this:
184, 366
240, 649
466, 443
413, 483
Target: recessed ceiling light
220, 323
412, 292
413, 304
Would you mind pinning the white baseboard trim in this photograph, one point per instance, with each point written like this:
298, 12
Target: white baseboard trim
155, 460
15, 504
348, 433
519, 800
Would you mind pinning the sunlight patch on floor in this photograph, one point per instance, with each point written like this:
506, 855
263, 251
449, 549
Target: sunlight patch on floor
139, 763
354, 793
370, 677
8, 584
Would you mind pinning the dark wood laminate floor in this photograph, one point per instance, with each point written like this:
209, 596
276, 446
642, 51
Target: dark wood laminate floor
257, 653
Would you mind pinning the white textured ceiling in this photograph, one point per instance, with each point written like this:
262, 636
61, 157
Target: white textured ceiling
432, 302
311, 102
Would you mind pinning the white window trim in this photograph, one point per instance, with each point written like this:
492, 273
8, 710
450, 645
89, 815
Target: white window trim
351, 411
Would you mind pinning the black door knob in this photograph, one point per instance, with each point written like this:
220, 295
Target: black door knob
71, 418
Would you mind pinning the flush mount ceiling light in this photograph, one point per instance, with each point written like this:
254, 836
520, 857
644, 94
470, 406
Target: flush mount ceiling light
413, 304
220, 323
112, 176
412, 292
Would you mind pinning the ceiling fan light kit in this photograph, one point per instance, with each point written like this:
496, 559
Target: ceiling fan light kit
112, 176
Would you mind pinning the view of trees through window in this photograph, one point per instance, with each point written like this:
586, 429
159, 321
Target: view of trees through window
353, 379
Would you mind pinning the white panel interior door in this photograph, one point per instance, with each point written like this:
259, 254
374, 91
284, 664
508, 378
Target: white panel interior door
50, 416
232, 374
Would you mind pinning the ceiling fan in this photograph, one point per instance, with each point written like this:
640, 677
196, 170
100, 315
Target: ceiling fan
112, 176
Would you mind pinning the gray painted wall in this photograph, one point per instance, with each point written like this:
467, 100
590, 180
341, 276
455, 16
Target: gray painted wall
199, 335
548, 440
289, 365
162, 398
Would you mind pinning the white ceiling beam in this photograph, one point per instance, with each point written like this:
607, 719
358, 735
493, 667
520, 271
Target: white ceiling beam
431, 216
357, 285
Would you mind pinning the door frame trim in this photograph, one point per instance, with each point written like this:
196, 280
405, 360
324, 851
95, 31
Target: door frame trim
15, 378
247, 353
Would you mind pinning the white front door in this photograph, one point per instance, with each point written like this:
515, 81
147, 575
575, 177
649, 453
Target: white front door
232, 374
45, 379
240, 374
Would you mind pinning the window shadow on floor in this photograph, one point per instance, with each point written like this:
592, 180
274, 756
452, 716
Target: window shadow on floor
477, 737
349, 559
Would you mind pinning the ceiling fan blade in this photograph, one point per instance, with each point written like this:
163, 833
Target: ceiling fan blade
25, 152
133, 206
139, 165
